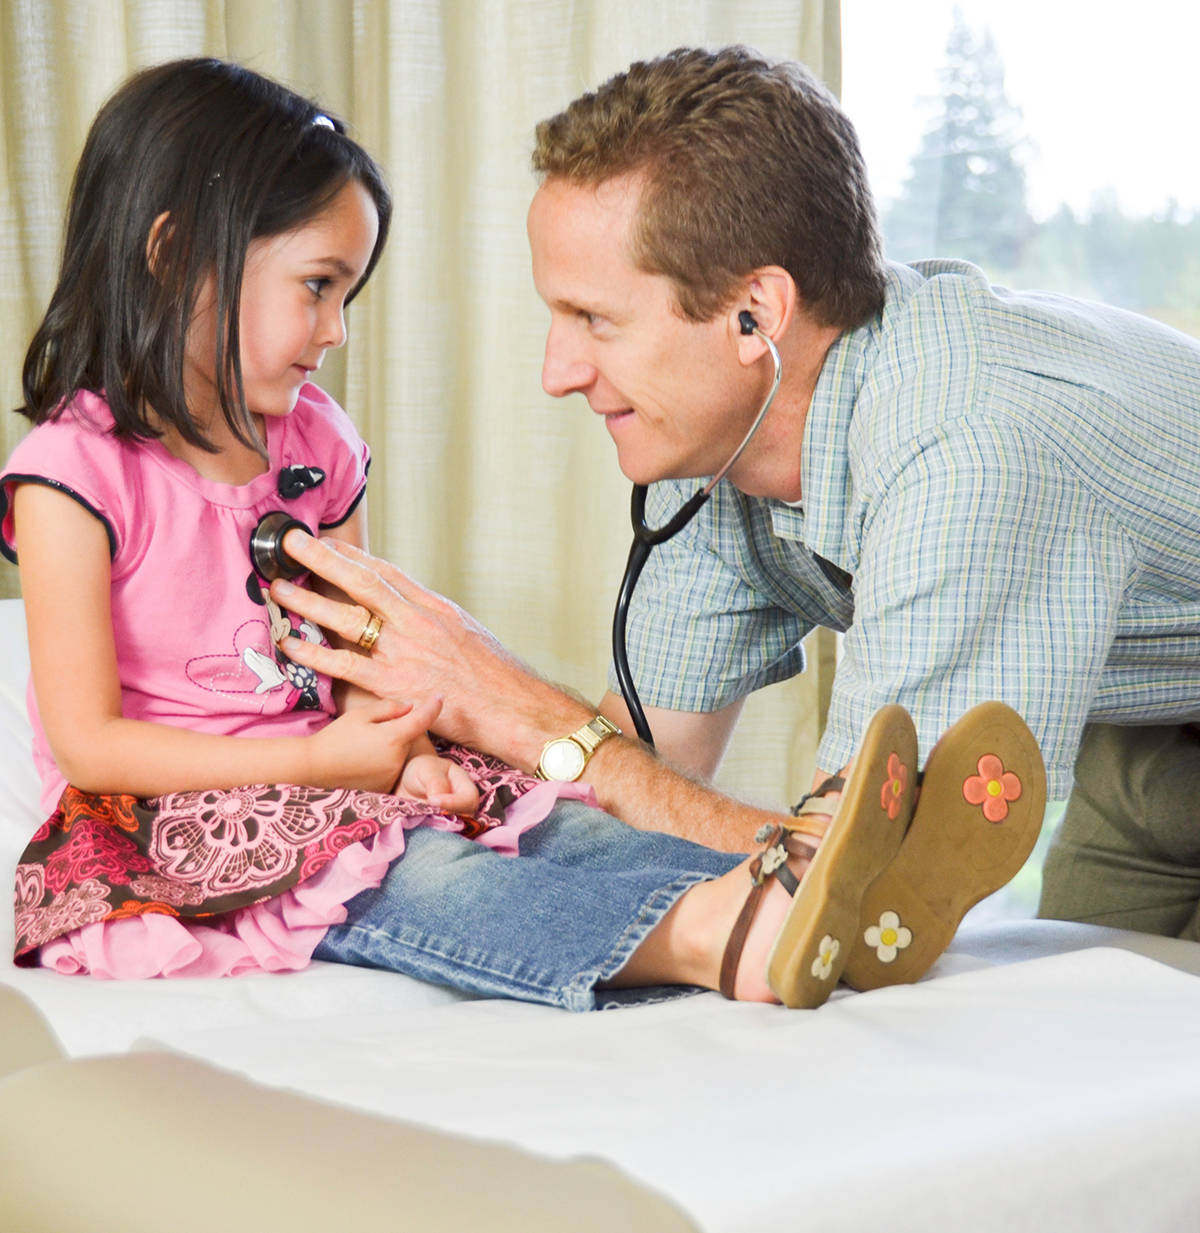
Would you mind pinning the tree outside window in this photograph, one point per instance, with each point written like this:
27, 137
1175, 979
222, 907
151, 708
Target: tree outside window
966, 192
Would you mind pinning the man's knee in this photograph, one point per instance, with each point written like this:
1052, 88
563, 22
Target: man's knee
1128, 850
1140, 784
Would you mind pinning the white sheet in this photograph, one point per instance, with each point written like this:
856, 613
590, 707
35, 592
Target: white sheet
1043, 1077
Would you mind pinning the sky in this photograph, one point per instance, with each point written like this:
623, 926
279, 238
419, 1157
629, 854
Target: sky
1106, 104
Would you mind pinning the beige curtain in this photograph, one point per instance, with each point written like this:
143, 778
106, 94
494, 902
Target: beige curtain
482, 486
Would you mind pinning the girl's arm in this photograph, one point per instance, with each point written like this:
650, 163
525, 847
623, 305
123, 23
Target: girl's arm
65, 581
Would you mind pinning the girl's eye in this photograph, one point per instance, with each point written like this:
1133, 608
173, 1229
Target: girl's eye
316, 285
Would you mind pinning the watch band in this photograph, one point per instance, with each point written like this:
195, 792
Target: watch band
586, 741
594, 733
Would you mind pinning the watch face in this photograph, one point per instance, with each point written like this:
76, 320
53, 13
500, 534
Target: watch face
563, 760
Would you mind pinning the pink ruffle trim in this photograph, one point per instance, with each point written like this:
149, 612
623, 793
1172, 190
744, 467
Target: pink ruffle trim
281, 934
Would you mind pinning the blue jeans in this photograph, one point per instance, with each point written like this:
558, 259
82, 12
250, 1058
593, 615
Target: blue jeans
545, 926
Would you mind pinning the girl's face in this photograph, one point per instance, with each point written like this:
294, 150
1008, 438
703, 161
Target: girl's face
294, 289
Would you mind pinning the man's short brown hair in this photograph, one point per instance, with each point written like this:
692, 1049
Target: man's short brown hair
745, 164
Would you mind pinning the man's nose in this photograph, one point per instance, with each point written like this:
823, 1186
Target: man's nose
564, 369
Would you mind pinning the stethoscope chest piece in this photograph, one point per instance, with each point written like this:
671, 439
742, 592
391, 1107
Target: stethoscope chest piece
266, 546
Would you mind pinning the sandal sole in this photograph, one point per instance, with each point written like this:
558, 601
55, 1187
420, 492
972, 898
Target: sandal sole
869, 823
954, 853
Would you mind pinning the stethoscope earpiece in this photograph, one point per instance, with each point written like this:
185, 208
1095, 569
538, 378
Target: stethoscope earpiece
266, 546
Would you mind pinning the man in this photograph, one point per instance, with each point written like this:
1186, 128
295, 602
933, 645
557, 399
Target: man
992, 495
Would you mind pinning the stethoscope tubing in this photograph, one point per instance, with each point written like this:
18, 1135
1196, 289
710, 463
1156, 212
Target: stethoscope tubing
646, 537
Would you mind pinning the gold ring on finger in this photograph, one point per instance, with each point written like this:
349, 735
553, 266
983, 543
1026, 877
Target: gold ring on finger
370, 632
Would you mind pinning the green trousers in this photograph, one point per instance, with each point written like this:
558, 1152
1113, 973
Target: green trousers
1127, 853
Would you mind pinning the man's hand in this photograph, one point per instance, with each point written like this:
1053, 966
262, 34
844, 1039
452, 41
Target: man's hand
427, 647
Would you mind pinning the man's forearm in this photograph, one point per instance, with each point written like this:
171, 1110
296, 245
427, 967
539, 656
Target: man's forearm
634, 785
631, 781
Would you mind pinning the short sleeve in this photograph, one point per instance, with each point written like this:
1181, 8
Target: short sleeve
73, 454
322, 434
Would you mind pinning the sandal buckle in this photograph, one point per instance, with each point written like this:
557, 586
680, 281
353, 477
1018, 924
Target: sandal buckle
771, 859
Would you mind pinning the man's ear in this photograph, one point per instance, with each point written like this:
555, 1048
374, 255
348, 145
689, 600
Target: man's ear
769, 295
157, 240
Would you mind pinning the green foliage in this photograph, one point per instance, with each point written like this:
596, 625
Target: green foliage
1149, 265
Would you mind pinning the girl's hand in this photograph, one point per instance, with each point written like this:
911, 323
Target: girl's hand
440, 783
366, 747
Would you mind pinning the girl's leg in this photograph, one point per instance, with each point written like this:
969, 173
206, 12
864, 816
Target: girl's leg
688, 944
591, 902
549, 926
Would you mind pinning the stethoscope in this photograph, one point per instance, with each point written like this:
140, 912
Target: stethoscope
266, 540
645, 538
271, 562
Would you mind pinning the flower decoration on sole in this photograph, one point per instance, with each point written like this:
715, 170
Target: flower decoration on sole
889, 937
978, 816
894, 785
827, 953
992, 788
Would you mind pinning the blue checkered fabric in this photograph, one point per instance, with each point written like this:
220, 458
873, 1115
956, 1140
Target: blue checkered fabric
1012, 480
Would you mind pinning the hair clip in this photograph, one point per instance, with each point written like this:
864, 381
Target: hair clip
320, 120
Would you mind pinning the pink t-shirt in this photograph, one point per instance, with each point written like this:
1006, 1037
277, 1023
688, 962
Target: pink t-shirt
194, 649
193, 642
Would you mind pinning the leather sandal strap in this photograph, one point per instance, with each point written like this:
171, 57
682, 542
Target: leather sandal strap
815, 803
835, 783
737, 941
771, 862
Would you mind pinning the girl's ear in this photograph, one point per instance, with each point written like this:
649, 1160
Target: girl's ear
769, 295
156, 240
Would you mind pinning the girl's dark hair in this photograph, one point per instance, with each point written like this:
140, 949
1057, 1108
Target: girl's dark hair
228, 156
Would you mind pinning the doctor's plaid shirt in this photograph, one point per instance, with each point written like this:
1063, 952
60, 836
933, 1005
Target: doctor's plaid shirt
1001, 499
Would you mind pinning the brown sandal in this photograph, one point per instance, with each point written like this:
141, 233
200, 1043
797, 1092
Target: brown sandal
771, 862
868, 824
982, 804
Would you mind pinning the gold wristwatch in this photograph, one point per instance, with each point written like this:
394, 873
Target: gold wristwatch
564, 758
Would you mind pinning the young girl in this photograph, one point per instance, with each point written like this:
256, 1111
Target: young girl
210, 810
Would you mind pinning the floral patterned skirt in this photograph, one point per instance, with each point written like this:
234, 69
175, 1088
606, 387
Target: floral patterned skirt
200, 855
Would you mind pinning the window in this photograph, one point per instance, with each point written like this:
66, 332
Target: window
1048, 143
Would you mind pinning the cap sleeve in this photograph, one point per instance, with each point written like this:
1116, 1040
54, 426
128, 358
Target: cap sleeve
78, 456
323, 435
